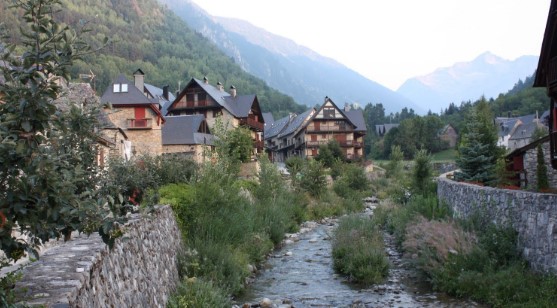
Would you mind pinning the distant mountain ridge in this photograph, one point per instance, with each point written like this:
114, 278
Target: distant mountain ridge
487, 75
284, 65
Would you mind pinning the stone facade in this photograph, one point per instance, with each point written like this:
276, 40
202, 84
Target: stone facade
532, 215
199, 153
139, 271
530, 166
144, 140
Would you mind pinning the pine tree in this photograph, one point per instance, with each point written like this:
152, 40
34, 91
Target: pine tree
476, 154
541, 170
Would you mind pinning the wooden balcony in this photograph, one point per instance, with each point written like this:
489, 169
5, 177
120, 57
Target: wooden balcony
327, 128
191, 104
139, 123
252, 123
344, 144
259, 144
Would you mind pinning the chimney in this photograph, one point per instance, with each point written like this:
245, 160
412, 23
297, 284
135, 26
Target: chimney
165, 92
326, 98
139, 80
220, 86
346, 107
205, 80
233, 91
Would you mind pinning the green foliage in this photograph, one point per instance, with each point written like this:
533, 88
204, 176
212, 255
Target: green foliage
394, 168
352, 181
198, 293
541, 170
478, 151
313, 178
149, 36
7, 295
48, 172
422, 172
503, 177
330, 153
358, 250
227, 224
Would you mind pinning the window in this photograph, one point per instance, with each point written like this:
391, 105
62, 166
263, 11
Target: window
120, 87
329, 112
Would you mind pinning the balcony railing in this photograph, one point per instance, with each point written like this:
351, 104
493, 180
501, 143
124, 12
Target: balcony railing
327, 128
191, 104
346, 143
252, 123
139, 123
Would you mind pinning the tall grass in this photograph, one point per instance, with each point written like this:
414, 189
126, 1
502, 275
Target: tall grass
358, 250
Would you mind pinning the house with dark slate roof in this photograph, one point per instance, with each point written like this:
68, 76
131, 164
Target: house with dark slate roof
201, 98
301, 135
189, 136
138, 115
516, 132
347, 126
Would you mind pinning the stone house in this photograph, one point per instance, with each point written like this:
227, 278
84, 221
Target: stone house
302, 135
139, 116
233, 110
514, 133
189, 136
523, 162
110, 138
449, 135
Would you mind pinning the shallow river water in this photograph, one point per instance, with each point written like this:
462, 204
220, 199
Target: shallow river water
301, 274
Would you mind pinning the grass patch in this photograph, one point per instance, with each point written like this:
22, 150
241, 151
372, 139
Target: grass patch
358, 250
448, 155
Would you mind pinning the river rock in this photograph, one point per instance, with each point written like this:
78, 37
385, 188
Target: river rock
288, 253
313, 240
266, 303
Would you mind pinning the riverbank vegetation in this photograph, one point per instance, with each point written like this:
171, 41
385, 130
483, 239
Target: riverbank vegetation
230, 224
465, 258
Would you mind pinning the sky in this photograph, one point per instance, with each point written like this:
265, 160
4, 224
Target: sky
390, 41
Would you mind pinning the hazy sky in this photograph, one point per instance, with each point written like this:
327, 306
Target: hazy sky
389, 41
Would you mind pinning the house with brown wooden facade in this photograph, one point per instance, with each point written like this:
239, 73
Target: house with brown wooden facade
212, 102
302, 135
449, 135
138, 115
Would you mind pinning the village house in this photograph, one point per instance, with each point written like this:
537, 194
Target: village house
139, 116
449, 135
188, 136
302, 135
110, 138
516, 132
200, 98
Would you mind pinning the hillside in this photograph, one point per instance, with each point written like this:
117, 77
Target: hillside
145, 34
287, 66
487, 75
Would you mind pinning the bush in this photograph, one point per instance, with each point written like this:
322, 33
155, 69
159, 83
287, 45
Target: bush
198, 293
358, 250
433, 241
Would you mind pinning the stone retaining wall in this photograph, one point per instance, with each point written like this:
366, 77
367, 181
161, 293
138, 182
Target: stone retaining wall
532, 215
139, 271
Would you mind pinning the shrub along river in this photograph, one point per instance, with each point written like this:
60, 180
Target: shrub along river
301, 274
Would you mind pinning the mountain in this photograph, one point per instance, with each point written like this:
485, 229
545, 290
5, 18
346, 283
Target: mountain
292, 69
147, 35
487, 75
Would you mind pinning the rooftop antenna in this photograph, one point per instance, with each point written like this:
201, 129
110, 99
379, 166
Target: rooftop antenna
91, 76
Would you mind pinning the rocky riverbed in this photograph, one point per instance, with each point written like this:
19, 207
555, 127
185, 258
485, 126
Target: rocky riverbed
300, 274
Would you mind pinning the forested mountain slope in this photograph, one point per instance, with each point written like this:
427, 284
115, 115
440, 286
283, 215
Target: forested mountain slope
144, 34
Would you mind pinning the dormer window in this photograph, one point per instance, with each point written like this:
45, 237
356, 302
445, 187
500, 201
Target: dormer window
120, 87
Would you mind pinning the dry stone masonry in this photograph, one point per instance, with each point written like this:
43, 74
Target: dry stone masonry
532, 215
139, 271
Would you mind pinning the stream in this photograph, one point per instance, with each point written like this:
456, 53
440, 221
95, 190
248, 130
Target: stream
301, 274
